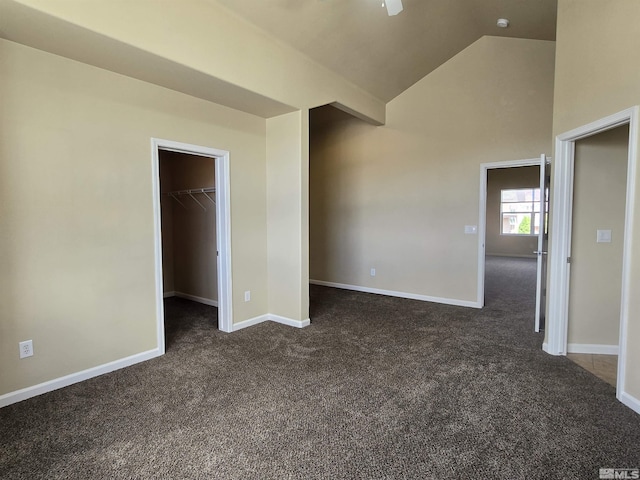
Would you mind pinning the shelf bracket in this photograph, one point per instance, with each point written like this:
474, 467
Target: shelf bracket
207, 195
196, 200
176, 199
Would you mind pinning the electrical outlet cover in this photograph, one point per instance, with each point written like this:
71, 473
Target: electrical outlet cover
26, 349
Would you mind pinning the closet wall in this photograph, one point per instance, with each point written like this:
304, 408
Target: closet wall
188, 230
599, 202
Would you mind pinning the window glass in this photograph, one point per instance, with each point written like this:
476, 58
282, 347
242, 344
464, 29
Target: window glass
519, 211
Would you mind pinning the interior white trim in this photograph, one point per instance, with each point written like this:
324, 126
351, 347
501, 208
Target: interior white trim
223, 229
250, 322
632, 402
541, 260
55, 384
157, 244
289, 321
168, 294
592, 348
270, 317
482, 214
393, 293
560, 248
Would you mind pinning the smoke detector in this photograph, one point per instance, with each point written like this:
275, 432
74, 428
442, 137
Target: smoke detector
503, 23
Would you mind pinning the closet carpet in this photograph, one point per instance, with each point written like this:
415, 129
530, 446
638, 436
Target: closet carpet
376, 387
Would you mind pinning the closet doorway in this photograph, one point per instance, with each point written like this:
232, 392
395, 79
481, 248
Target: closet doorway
597, 241
192, 231
561, 270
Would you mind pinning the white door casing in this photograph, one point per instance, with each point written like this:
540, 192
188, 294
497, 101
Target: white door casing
223, 230
560, 238
541, 253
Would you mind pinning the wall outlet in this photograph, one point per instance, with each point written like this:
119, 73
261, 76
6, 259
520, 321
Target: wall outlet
247, 295
26, 348
373, 272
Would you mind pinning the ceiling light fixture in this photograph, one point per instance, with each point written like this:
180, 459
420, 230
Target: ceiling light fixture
394, 7
503, 23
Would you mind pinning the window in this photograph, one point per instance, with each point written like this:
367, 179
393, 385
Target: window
520, 211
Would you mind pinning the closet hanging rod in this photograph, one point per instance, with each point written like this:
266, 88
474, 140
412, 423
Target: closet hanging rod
190, 192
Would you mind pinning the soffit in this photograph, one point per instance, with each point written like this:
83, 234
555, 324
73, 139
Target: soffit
386, 55
33, 28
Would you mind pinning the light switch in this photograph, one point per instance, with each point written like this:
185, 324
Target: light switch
470, 229
603, 236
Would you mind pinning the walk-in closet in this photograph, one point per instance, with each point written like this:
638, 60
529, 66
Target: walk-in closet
189, 263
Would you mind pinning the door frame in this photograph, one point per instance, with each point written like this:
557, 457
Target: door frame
223, 229
482, 223
560, 238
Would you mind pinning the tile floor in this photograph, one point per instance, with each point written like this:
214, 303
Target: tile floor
604, 367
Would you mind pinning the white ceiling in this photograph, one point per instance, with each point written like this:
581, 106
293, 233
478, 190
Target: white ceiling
386, 55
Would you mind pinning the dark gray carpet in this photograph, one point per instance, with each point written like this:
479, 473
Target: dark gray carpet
376, 387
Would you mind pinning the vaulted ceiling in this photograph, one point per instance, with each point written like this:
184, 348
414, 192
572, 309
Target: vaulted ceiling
385, 55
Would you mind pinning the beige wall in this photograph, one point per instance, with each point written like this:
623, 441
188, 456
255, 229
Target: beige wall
88, 116
286, 178
77, 240
397, 198
500, 179
205, 38
597, 75
190, 232
599, 198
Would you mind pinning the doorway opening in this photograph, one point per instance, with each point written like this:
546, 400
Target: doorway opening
512, 226
561, 245
204, 269
597, 233
512, 231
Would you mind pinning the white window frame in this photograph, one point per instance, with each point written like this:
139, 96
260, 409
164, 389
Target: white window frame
530, 213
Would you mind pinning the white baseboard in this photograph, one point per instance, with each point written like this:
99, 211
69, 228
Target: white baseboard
545, 348
289, 321
631, 402
193, 298
55, 384
23, 394
270, 317
510, 255
393, 293
592, 348
250, 322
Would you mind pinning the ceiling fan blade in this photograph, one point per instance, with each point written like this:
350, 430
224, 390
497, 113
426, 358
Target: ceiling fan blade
394, 7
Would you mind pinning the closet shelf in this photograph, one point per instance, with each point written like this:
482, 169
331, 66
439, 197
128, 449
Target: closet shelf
191, 193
